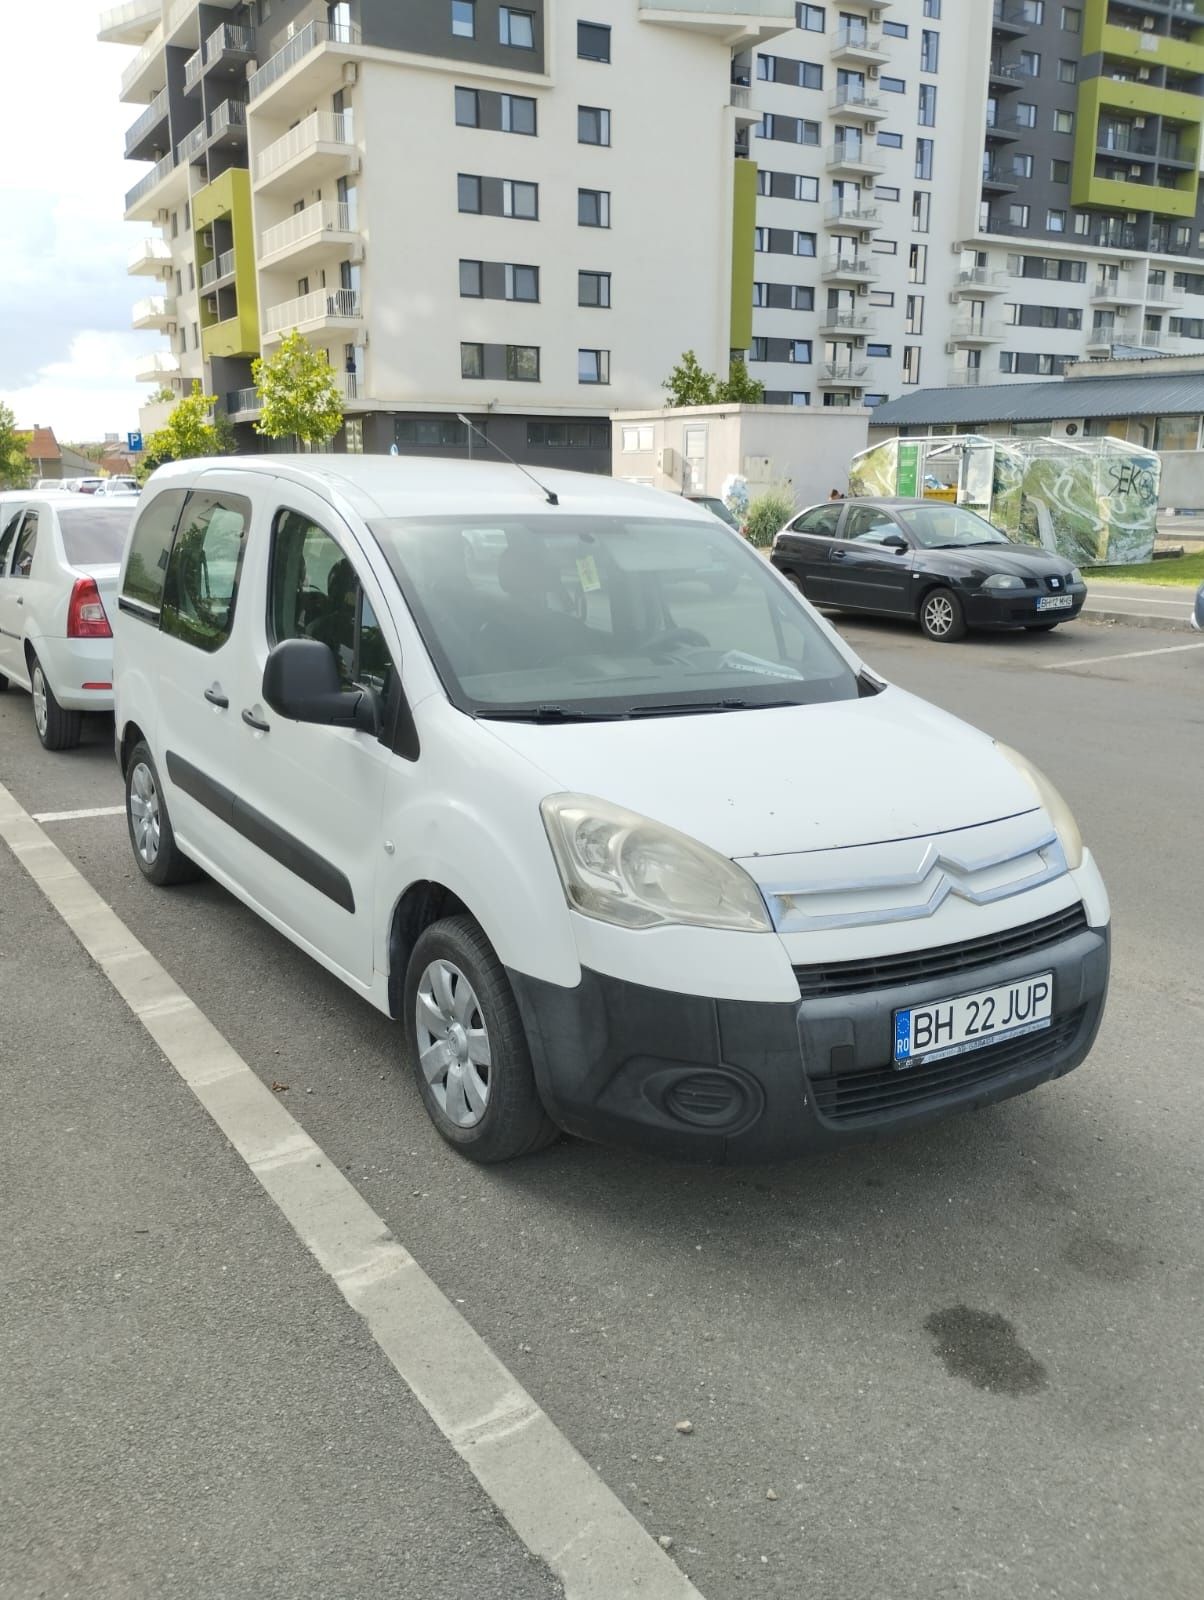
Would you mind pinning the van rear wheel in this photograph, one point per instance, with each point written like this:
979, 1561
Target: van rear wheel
467, 1048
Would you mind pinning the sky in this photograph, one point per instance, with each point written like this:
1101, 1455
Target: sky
67, 352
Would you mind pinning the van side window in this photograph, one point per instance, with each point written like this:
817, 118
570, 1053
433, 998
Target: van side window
27, 543
6, 541
150, 546
313, 593
201, 583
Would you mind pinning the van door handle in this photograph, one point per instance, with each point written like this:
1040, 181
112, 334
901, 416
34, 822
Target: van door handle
216, 698
252, 721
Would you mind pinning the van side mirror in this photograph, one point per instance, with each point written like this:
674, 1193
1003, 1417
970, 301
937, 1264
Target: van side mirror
301, 683
895, 542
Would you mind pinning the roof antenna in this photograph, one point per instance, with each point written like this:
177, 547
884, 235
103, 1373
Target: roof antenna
552, 499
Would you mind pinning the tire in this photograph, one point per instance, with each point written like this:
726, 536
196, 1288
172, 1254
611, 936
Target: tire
941, 616
460, 1016
160, 860
3, 684
793, 579
56, 728
1040, 627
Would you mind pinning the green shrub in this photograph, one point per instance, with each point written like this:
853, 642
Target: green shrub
766, 515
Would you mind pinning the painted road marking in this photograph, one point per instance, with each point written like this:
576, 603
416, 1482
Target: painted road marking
555, 1502
1125, 655
78, 816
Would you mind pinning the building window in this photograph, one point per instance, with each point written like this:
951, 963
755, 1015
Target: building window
1177, 433
1059, 171
892, 85
884, 247
593, 289
803, 298
917, 264
468, 192
441, 431
1031, 11
593, 41
1068, 71
520, 200
1018, 216
911, 363
1022, 166
353, 436
1029, 63
593, 208
932, 8
890, 141
881, 297
1026, 114
921, 208
1055, 221
877, 350
518, 114
1072, 19
516, 28
760, 240
1082, 219
804, 244
638, 438
522, 363
1063, 122
468, 108
930, 50
759, 349
809, 18
593, 366
800, 352
522, 283
464, 19
885, 191
914, 319
924, 158
927, 112
895, 30
470, 280
472, 360
593, 125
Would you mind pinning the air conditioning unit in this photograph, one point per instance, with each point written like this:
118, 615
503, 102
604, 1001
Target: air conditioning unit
1139, 122
666, 461
1135, 172
871, 73
207, 238
957, 247
1143, 74
163, 216
955, 298
289, 31
950, 348
351, 73
172, 328
1147, 24
1066, 430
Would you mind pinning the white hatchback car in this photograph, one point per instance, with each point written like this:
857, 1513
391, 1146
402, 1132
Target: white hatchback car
626, 852
59, 559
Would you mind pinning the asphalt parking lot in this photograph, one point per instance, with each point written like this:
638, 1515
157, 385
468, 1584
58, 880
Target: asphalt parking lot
963, 1363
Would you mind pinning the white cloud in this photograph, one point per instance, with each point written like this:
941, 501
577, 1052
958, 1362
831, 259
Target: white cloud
67, 354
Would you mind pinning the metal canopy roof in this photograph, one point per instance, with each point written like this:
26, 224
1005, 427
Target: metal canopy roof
1173, 394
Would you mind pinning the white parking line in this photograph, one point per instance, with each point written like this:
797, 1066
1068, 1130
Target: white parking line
1121, 655
552, 1498
78, 816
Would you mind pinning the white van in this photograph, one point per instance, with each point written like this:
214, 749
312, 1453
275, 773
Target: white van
626, 852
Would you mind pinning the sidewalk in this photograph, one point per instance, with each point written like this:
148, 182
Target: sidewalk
1140, 604
190, 1410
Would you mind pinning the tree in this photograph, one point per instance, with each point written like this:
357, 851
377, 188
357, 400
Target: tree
189, 431
739, 387
298, 393
689, 385
14, 462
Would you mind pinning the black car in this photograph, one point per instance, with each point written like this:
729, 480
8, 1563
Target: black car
942, 564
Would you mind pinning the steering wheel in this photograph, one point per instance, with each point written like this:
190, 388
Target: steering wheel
671, 636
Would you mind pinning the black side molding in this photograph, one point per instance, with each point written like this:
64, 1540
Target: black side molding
262, 832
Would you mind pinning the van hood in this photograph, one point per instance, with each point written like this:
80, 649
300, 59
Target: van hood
785, 780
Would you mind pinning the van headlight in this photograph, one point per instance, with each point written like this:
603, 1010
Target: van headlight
1066, 828
628, 870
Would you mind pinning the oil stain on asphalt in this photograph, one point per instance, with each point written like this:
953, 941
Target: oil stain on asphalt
982, 1347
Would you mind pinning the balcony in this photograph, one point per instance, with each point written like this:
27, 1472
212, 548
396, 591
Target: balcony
183, 22
843, 217
851, 101
160, 366
738, 23
1002, 133
842, 375
325, 310
1166, 344
997, 180
846, 268
146, 74
146, 139
192, 146
981, 280
854, 159
151, 192
227, 50
965, 378
1164, 297
1100, 340
132, 23
154, 312
150, 258
218, 271
860, 46
1118, 291
228, 124
1009, 21
846, 323
740, 100
309, 66
319, 148
327, 229
1006, 77
243, 404
974, 333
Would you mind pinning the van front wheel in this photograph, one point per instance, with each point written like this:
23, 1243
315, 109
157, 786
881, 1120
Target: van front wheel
467, 1047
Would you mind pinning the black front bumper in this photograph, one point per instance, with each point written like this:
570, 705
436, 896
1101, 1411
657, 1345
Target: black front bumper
729, 1080
1018, 609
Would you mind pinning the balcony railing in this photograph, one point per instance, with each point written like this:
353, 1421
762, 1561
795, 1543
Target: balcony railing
129, 23
330, 216
161, 364
740, 97
982, 278
153, 254
850, 266
976, 328
154, 177
309, 38
220, 267
857, 216
148, 52
323, 304
845, 321
191, 145
150, 119
241, 401
852, 98
193, 68
320, 127
966, 377
351, 385
154, 309
853, 38
849, 375
852, 154
230, 114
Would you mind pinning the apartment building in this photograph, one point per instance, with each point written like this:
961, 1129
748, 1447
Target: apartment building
973, 191
519, 213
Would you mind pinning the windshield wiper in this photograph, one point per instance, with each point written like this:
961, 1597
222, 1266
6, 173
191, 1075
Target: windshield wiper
546, 713
684, 708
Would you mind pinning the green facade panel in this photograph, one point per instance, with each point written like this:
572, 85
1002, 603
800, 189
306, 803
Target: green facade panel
744, 229
229, 198
1100, 95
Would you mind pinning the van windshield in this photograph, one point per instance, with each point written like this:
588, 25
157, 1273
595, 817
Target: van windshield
548, 617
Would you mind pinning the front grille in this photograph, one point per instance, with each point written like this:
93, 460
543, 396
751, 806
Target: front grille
942, 961
867, 1096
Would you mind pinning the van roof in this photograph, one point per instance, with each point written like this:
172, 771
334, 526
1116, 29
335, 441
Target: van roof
406, 486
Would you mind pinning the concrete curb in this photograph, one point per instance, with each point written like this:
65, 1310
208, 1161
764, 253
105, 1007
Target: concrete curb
1130, 620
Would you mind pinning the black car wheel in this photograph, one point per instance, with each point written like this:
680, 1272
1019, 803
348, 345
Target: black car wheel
941, 616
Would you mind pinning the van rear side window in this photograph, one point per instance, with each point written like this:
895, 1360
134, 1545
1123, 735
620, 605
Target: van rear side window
150, 546
201, 584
